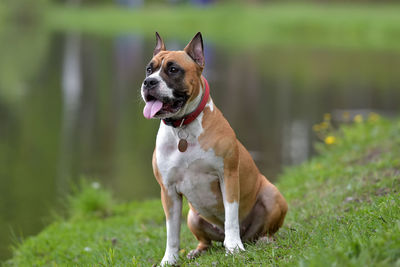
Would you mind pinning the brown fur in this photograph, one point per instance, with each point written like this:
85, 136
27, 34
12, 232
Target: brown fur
262, 208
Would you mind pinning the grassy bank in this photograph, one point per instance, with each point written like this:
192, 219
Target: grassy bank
343, 211
338, 26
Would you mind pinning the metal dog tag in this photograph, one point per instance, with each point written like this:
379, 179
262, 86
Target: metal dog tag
182, 145
183, 135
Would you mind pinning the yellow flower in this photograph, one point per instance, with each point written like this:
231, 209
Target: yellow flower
329, 140
358, 118
327, 117
373, 117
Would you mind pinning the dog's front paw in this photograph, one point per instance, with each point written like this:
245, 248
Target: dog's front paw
169, 259
233, 246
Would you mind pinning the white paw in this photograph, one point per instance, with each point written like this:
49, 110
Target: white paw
233, 246
169, 259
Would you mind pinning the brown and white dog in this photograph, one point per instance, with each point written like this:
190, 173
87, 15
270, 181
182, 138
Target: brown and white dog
198, 156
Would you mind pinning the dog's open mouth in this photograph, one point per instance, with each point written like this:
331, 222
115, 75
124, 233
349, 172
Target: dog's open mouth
156, 107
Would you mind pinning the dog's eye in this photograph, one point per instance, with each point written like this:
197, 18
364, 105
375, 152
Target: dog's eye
173, 70
148, 70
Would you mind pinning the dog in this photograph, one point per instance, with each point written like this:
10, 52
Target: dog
197, 155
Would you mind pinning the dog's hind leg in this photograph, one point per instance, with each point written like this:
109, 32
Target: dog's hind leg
267, 215
204, 233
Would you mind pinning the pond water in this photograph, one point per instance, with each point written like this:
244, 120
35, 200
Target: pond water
70, 107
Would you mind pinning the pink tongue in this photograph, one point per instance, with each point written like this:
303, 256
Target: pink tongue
151, 108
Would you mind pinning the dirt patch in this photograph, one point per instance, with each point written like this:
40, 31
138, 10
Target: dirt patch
382, 191
371, 156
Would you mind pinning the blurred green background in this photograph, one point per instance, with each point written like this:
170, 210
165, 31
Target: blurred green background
70, 74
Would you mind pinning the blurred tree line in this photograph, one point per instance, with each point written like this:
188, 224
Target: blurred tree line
24, 11
209, 1
30, 11
39, 3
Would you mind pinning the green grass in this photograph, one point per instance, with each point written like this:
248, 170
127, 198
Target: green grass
337, 26
343, 211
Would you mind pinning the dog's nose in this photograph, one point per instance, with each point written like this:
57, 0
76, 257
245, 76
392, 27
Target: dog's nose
150, 83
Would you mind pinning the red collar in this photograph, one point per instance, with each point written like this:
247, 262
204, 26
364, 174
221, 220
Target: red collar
192, 116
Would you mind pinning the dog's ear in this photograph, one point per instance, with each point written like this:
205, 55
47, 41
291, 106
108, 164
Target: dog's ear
160, 46
195, 49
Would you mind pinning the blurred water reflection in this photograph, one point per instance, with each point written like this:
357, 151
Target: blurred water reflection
79, 112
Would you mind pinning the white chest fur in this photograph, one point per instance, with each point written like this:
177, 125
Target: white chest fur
191, 172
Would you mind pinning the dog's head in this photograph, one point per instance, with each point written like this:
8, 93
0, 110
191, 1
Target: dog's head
173, 80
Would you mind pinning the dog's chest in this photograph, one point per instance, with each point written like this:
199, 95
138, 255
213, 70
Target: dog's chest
195, 173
